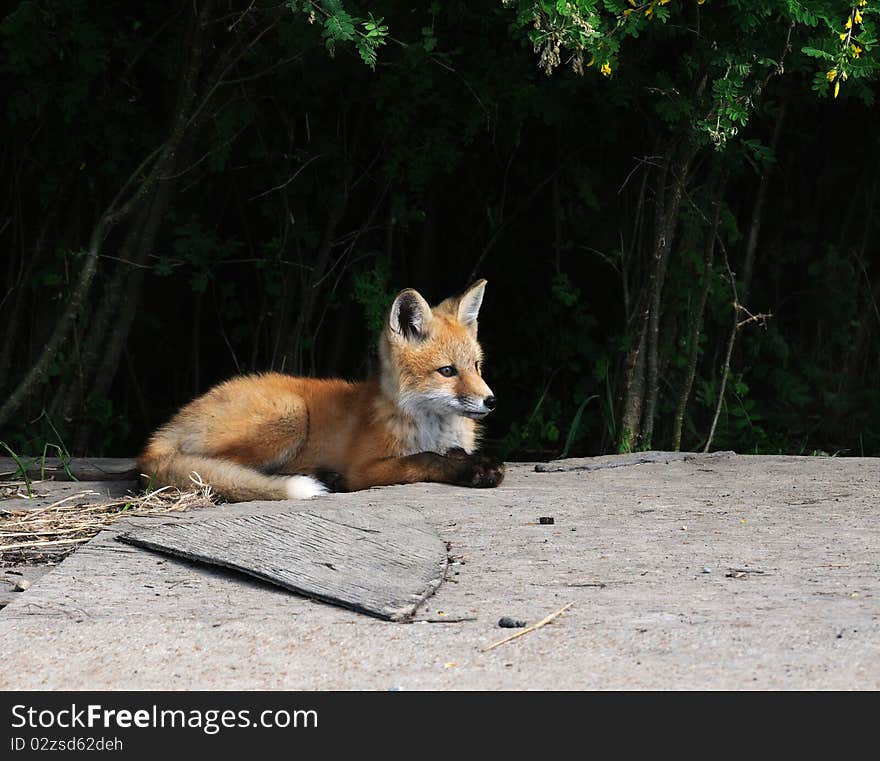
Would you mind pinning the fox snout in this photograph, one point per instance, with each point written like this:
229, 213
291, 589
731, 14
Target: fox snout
477, 406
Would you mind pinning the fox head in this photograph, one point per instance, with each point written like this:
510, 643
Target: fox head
431, 360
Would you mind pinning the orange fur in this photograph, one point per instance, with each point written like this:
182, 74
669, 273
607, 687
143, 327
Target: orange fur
247, 437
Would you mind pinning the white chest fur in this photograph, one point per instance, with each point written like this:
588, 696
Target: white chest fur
429, 432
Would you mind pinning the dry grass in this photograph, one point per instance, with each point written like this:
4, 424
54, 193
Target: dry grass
48, 534
13, 489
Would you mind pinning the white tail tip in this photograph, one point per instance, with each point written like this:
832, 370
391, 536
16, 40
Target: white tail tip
304, 487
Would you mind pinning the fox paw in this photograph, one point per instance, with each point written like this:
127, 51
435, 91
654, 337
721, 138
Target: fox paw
482, 472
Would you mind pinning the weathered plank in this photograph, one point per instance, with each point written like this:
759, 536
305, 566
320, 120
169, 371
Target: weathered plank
351, 558
81, 468
621, 461
45, 493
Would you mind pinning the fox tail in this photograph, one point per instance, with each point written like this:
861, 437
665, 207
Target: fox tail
229, 480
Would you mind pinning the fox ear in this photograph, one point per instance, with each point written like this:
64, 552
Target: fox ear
410, 315
469, 305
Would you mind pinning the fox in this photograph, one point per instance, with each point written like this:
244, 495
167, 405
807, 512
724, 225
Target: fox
273, 436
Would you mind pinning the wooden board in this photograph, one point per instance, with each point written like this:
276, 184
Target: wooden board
352, 558
45, 493
81, 468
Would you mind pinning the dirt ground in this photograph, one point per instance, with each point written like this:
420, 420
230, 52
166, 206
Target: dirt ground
724, 572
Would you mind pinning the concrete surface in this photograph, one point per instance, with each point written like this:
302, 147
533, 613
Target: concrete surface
730, 572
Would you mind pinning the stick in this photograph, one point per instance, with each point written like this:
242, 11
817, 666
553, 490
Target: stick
39, 545
533, 627
67, 499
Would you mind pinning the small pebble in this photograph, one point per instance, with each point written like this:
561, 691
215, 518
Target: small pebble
706, 569
546, 520
510, 623
20, 585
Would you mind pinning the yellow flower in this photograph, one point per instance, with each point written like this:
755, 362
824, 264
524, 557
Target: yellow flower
606, 69
831, 75
843, 35
701, 2
627, 11
592, 61
857, 17
649, 11
836, 88
856, 51
848, 24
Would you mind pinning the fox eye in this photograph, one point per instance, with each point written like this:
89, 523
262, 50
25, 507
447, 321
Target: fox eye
447, 371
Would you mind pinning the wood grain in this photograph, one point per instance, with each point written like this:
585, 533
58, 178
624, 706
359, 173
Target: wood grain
349, 558
82, 469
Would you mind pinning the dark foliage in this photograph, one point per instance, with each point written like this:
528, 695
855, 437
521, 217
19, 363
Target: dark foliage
251, 188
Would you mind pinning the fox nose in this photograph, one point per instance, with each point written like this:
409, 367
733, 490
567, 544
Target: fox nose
489, 401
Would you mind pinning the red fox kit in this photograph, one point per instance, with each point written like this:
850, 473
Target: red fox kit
273, 436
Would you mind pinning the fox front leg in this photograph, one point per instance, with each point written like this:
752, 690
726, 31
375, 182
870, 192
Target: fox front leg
457, 467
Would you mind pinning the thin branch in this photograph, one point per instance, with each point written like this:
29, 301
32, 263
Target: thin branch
737, 324
364, 227
640, 162
760, 317
243, 14
524, 204
285, 184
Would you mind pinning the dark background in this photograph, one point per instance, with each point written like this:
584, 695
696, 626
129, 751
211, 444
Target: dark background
295, 191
